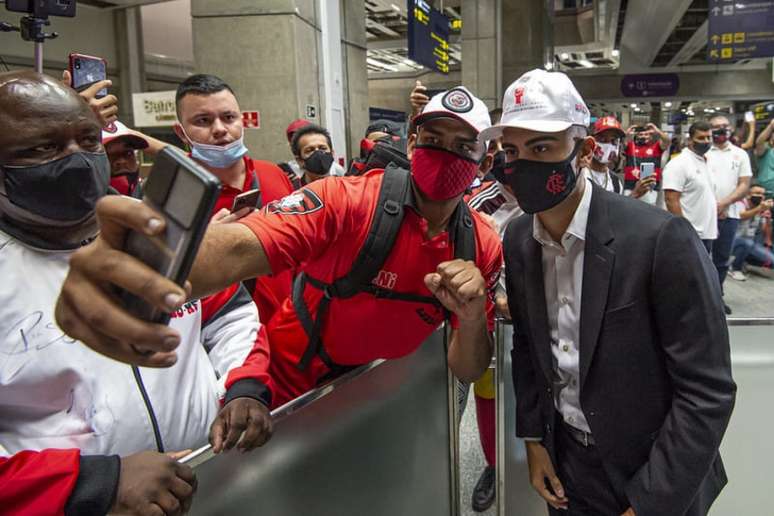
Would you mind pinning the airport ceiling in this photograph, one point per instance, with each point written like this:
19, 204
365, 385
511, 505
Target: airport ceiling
594, 36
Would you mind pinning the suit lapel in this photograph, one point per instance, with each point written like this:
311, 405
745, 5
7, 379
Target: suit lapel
536, 303
597, 270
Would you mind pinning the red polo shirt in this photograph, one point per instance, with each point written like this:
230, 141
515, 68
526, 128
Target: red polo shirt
320, 230
269, 291
273, 182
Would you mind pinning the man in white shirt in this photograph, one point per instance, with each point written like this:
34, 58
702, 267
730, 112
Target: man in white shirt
688, 187
731, 174
615, 366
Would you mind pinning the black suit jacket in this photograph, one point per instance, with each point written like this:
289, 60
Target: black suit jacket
655, 367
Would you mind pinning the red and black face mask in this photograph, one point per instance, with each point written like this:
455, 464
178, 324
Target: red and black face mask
541, 185
720, 136
440, 174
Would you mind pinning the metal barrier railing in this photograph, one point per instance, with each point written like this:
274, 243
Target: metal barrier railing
380, 440
743, 331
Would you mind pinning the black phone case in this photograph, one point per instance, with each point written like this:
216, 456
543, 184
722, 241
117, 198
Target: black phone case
169, 164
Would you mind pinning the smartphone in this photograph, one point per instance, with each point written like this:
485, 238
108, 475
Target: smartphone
646, 170
749, 117
183, 193
246, 199
86, 70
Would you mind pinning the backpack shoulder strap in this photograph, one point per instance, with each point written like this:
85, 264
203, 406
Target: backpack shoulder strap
381, 236
463, 235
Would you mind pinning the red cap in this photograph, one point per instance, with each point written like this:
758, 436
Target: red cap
294, 126
607, 123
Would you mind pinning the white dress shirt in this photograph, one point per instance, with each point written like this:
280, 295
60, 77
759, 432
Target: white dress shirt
563, 281
727, 165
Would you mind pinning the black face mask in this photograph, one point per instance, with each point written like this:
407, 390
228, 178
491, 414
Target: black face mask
700, 148
498, 167
756, 200
319, 162
540, 185
63, 190
640, 141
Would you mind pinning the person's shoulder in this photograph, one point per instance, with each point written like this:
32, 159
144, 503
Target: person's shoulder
627, 214
679, 159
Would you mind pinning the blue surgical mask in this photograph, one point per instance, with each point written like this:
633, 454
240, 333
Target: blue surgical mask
218, 156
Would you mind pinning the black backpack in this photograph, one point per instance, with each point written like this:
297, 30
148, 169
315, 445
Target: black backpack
394, 194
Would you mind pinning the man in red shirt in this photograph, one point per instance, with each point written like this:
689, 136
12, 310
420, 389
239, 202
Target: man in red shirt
646, 145
319, 231
211, 124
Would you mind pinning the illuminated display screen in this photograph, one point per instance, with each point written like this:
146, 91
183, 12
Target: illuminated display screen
428, 36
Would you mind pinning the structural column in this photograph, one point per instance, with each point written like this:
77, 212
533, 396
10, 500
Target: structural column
527, 37
270, 52
131, 54
481, 56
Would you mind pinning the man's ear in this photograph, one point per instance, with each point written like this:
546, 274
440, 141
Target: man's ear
178, 128
486, 164
412, 142
586, 152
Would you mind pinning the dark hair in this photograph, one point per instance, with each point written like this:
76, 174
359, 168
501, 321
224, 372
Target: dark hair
495, 115
200, 84
308, 129
701, 125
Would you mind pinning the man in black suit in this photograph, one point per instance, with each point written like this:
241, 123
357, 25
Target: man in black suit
621, 361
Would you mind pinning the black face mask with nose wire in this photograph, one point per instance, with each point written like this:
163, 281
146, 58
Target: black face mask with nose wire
541, 185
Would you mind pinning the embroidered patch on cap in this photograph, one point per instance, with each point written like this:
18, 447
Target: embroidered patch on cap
112, 128
302, 202
457, 101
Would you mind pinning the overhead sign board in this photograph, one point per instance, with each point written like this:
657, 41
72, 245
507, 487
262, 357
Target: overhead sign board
154, 109
650, 85
740, 30
428, 36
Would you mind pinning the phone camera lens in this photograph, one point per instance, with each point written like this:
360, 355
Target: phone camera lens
77, 65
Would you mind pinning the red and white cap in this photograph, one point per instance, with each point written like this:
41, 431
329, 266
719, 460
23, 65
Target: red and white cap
116, 130
607, 123
457, 103
541, 101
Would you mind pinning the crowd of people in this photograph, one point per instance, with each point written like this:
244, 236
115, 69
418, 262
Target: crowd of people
543, 217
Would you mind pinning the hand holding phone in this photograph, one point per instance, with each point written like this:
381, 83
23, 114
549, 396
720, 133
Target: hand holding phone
250, 199
87, 70
184, 193
647, 170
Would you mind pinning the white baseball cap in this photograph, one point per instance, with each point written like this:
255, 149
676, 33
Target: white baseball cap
541, 101
457, 103
116, 130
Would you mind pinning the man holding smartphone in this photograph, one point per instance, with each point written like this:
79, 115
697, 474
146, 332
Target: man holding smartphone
646, 145
54, 393
210, 122
319, 231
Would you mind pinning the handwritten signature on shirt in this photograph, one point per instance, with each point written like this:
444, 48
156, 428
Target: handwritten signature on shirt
31, 332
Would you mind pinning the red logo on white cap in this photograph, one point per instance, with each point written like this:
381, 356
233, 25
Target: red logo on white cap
112, 128
518, 95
